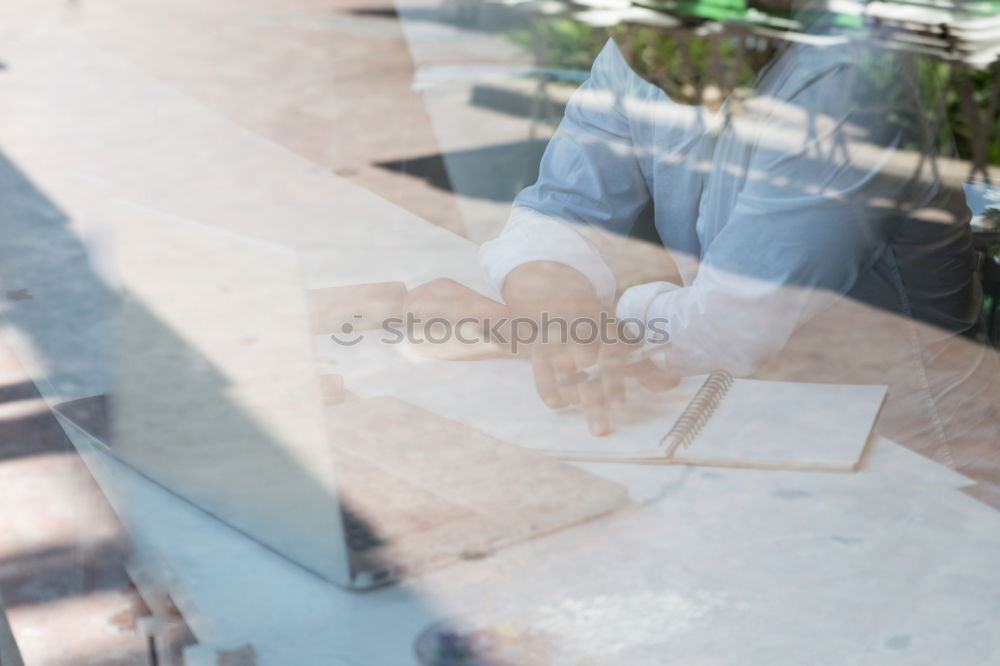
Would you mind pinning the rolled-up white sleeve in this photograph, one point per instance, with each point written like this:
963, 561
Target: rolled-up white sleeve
722, 320
530, 236
589, 178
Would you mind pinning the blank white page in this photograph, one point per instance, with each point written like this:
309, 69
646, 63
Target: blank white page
787, 424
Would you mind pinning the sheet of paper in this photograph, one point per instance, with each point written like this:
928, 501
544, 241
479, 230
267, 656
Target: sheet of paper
769, 421
894, 462
498, 397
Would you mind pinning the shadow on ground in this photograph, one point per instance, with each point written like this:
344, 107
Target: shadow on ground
495, 173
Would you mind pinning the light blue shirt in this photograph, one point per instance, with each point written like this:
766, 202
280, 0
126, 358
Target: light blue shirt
807, 190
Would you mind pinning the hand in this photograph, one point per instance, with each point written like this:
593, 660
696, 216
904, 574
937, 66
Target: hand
555, 366
451, 300
469, 313
561, 292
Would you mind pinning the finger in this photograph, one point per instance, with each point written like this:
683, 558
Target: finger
595, 408
653, 378
545, 380
565, 369
612, 359
592, 397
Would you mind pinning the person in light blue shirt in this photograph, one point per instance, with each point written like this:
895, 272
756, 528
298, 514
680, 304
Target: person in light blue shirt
812, 202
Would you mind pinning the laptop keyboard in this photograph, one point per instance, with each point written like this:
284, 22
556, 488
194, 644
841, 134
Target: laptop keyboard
360, 536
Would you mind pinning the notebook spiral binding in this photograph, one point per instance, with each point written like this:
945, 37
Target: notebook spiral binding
698, 411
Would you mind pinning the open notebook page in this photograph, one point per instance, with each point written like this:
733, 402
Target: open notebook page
787, 424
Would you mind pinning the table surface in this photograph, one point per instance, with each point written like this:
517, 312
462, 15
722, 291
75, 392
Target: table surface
887, 565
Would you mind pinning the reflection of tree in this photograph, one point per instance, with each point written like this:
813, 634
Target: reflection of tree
698, 66
561, 42
961, 105
691, 67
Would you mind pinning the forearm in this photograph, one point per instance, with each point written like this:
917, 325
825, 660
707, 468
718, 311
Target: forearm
547, 286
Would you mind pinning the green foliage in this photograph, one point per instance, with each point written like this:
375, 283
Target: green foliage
564, 44
982, 83
684, 66
938, 84
681, 66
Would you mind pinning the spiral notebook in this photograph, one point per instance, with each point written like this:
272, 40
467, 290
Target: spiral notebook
706, 420
761, 424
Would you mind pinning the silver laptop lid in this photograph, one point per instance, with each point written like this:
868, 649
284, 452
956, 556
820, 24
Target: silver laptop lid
215, 392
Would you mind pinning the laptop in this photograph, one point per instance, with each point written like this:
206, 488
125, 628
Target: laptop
216, 396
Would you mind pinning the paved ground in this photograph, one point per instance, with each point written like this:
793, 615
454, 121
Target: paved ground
61, 548
330, 80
